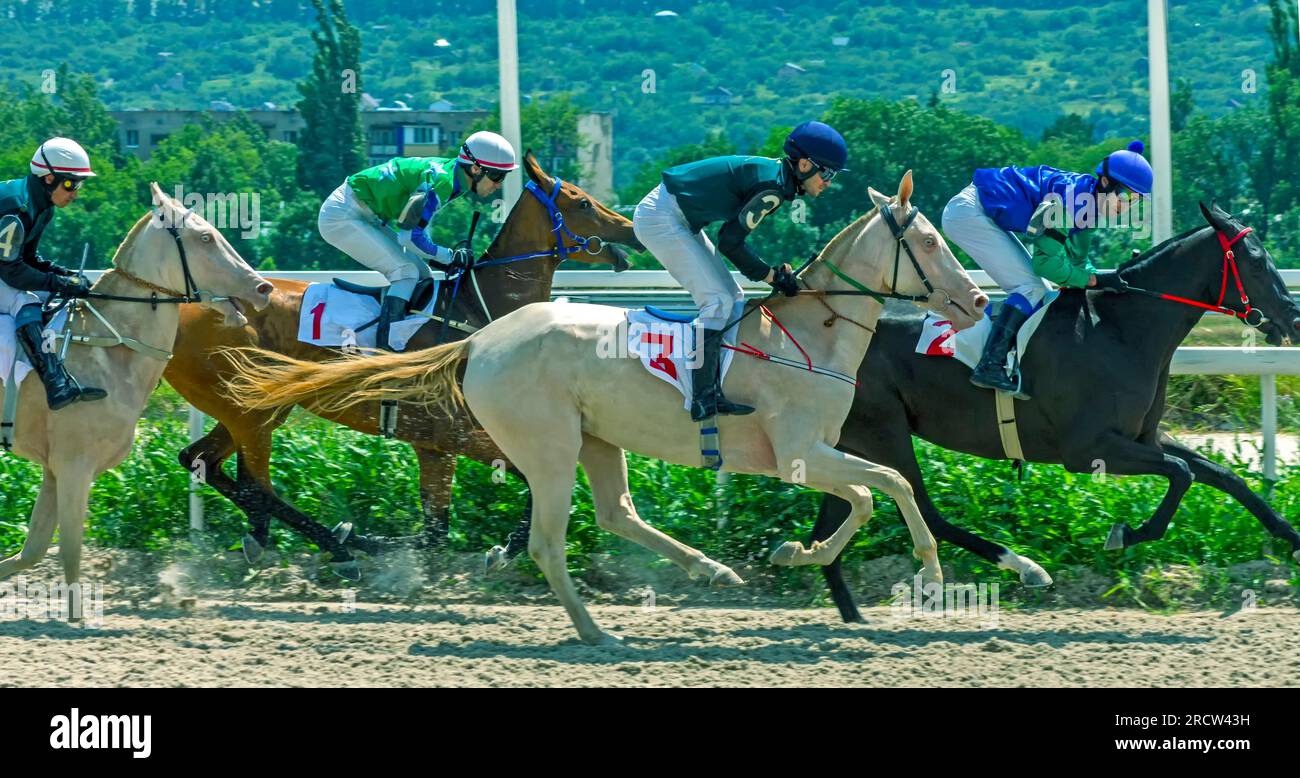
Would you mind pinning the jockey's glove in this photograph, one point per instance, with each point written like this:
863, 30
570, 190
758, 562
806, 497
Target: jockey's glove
783, 280
70, 286
1109, 281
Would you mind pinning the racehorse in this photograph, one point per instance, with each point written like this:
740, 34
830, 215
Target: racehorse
122, 338
1098, 369
545, 227
571, 413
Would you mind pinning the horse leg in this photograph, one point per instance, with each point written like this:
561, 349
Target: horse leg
436, 472
607, 472
1124, 456
45, 517
1213, 474
851, 478
545, 448
210, 452
74, 501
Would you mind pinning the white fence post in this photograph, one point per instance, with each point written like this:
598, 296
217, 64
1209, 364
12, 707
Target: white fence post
1268, 422
196, 499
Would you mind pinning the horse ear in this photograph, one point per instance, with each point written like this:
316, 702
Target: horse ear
1210, 217
880, 200
535, 171
905, 190
167, 212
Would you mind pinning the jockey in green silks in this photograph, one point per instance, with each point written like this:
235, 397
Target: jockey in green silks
380, 216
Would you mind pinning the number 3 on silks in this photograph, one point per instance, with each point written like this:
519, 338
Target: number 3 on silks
11, 238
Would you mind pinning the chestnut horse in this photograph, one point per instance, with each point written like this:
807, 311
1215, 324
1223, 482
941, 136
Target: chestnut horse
200, 368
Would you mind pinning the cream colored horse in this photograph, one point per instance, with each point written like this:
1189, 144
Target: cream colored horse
535, 380
76, 444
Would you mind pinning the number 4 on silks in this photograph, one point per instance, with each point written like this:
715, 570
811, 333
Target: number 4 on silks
11, 238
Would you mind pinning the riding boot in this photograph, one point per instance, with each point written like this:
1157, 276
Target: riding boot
61, 389
991, 372
707, 400
392, 308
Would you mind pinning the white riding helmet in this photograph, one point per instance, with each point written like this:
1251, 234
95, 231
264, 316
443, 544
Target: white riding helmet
62, 157
488, 150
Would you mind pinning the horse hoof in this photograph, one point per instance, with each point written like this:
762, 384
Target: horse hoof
495, 559
604, 639
348, 571
785, 554
1115, 541
341, 532
1035, 577
725, 577
252, 550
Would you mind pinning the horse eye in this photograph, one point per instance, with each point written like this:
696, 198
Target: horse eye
585, 203
207, 237
929, 243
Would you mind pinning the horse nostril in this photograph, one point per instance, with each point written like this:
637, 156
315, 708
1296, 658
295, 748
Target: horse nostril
265, 287
981, 301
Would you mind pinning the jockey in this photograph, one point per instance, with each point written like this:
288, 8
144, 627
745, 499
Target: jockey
377, 213
738, 191
1056, 211
58, 169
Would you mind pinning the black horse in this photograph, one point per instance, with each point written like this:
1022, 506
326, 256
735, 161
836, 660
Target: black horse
1097, 374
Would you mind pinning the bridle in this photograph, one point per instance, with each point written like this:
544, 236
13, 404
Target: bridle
191, 294
899, 233
1229, 268
593, 244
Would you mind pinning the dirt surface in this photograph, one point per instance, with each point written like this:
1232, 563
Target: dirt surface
196, 622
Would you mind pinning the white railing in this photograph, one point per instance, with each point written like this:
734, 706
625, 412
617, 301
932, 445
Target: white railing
639, 287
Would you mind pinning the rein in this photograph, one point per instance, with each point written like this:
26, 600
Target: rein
1229, 267
899, 232
192, 294
593, 245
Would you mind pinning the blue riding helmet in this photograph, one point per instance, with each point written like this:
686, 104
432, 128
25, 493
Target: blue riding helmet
1129, 167
818, 142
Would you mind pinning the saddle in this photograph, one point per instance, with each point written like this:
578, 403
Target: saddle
419, 298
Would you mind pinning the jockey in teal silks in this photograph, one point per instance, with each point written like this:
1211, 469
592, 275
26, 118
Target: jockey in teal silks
738, 191
380, 215
57, 170
1056, 211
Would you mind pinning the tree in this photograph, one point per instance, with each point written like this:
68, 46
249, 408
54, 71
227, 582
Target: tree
332, 144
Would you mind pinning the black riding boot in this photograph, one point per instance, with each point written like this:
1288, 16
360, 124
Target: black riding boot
707, 399
991, 372
392, 308
61, 389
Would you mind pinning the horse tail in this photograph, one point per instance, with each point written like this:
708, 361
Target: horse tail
267, 380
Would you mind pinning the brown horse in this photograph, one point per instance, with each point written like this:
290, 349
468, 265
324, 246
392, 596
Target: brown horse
201, 367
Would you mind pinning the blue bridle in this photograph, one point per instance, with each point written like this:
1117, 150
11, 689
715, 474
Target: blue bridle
558, 228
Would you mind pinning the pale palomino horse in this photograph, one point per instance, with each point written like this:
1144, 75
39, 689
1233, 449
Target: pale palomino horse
536, 382
170, 253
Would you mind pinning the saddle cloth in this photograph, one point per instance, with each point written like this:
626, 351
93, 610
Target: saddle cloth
665, 342
330, 317
939, 339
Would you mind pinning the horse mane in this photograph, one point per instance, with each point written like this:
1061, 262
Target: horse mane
128, 243
1151, 254
849, 233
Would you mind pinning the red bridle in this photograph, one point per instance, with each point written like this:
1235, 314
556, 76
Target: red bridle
1229, 265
